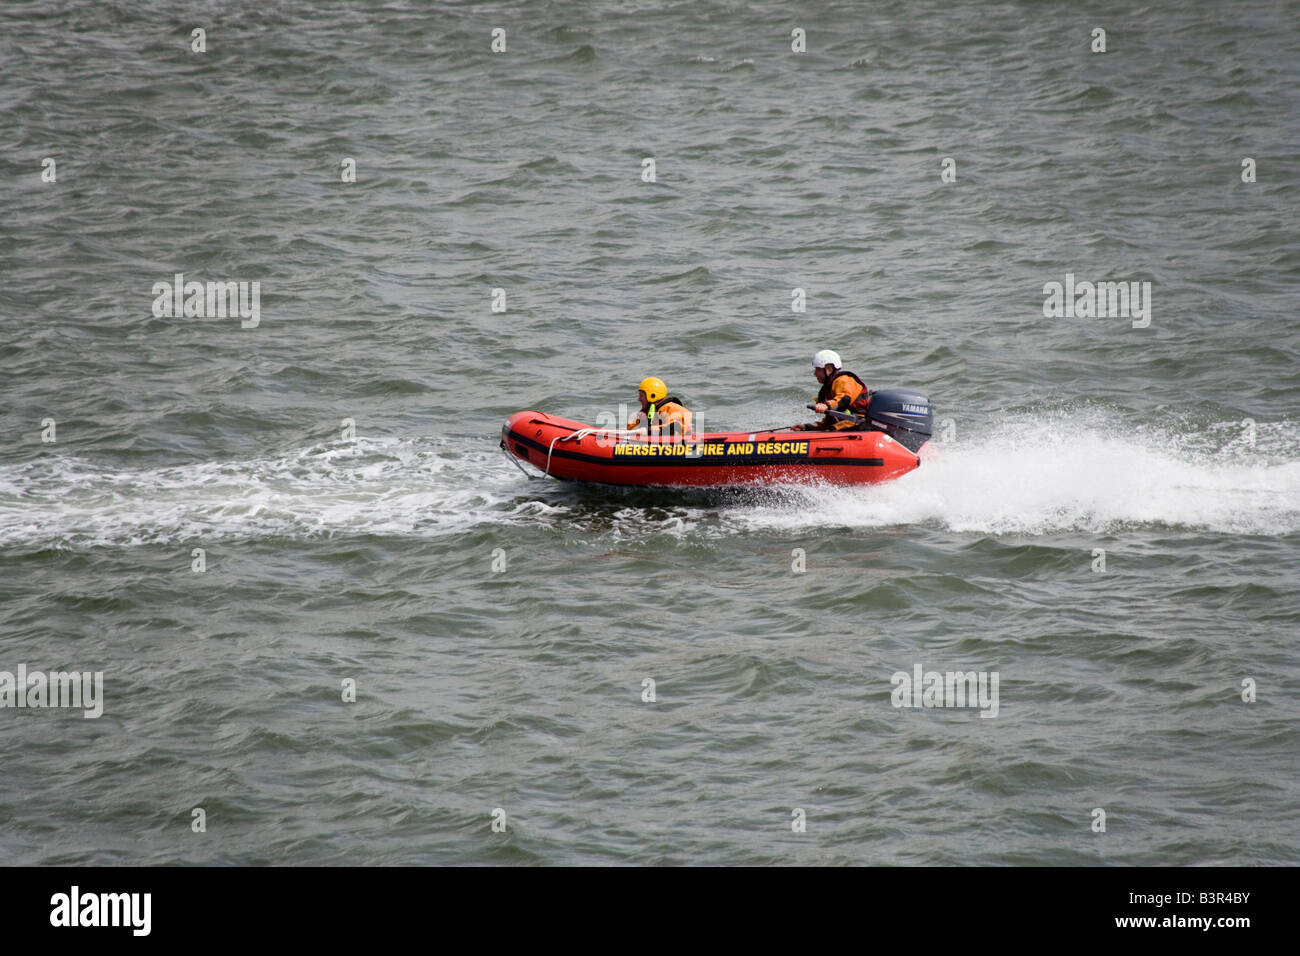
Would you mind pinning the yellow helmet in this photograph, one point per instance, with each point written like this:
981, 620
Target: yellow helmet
654, 389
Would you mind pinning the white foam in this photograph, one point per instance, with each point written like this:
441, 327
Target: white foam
1027, 476
1038, 477
385, 486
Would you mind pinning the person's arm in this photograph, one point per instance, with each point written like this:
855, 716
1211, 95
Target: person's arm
841, 393
827, 423
840, 399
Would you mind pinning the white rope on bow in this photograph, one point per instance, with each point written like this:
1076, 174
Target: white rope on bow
580, 434
577, 435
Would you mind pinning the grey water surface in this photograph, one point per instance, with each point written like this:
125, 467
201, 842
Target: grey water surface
1111, 523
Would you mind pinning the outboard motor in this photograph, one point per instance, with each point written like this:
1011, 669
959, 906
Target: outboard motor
902, 414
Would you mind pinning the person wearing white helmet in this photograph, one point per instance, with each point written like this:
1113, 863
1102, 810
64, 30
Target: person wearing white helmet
841, 391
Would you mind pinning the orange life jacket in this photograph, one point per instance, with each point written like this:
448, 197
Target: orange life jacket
669, 415
844, 392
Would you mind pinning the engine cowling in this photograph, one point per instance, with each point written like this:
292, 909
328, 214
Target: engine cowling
903, 414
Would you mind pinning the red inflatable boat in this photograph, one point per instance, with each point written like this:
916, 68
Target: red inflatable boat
574, 451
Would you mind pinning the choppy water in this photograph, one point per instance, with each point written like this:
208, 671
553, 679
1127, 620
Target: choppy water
1174, 448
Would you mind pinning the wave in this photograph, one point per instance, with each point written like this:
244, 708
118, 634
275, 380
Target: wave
1025, 475
375, 487
1028, 476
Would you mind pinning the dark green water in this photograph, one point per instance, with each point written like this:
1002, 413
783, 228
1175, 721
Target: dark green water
1174, 446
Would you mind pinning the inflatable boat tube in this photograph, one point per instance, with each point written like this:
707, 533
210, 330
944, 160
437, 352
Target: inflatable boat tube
576, 452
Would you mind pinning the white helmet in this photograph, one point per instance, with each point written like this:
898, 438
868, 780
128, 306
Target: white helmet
827, 357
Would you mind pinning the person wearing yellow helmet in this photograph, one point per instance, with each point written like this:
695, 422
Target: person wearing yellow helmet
661, 413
